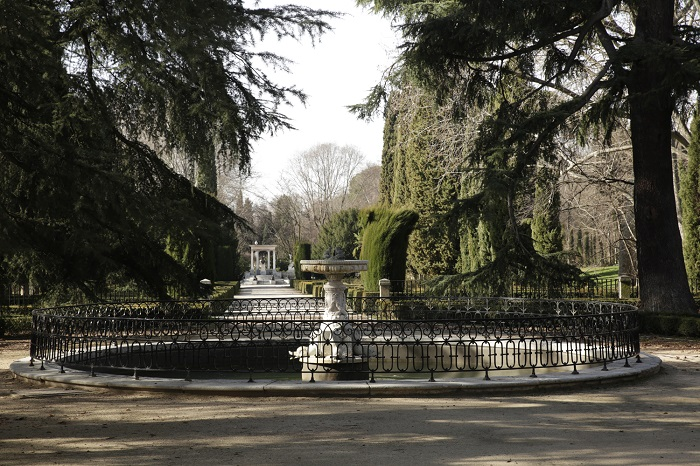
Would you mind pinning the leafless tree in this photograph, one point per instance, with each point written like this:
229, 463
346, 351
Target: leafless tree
364, 188
320, 177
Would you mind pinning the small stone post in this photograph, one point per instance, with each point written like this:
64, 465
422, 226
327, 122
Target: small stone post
384, 288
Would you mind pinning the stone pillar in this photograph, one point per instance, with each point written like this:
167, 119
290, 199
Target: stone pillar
384, 288
252, 260
274, 261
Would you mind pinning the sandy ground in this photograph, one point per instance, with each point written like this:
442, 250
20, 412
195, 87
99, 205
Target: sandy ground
656, 421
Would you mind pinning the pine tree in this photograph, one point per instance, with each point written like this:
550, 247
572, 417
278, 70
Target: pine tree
83, 201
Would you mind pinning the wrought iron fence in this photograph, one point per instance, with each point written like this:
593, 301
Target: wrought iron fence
394, 336
594, 289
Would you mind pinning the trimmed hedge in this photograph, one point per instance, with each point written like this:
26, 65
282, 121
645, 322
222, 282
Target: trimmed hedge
226, 290
670, 324
15, 325
308, 286
302, 251
385, 235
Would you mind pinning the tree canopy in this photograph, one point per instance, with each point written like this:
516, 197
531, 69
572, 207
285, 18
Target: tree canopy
87, 90
609, 62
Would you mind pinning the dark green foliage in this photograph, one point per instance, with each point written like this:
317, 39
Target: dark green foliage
466, 205
387, 183
645, 65
83, 201
418, 180
385, 235
546, 227
339, 232
669, 325
302, 251
515, 261
282, 263
15, 324
226, 264
690, 203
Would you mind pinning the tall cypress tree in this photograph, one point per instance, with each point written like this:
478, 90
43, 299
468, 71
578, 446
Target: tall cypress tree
414, 176
690, 202
644, 68
546, 227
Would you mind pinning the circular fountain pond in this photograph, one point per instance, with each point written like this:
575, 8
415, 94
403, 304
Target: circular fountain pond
398, 337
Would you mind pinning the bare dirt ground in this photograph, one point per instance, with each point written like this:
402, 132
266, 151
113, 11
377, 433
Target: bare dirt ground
655, 421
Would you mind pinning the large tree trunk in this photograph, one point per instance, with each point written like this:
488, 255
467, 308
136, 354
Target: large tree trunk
663, 281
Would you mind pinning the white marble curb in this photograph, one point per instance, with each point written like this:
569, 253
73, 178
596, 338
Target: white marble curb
588, 376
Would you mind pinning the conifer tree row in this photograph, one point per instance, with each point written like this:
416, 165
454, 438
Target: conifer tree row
465, 231
610, 63
690, 201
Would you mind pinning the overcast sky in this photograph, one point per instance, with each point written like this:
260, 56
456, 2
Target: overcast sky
337, 72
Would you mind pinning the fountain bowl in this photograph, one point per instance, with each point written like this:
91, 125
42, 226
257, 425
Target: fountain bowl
333, 266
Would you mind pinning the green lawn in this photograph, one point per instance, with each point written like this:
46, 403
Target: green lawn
602, 273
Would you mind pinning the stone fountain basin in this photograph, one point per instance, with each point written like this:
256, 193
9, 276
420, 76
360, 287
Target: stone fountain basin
333, 267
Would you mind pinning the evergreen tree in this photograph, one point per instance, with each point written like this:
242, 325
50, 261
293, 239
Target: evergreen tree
302, 252
546, 227
83, 201
385, 235
459, 231
414, 176
579, 245
339, 232
645, 67
690, 202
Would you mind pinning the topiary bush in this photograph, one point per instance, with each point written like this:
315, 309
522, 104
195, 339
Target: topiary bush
302, 251
385, 235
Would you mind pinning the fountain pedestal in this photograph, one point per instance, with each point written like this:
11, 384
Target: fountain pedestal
334, 352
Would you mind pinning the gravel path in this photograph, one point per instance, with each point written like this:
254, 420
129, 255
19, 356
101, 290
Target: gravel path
656, 421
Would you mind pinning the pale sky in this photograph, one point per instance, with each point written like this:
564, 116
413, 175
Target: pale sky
337, 72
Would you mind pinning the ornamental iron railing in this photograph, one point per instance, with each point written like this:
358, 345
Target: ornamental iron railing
389, 336
607, 288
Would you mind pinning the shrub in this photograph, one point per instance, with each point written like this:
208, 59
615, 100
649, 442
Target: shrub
302, 251
384, 244
670, 325
15, 325
689, 327
226, 290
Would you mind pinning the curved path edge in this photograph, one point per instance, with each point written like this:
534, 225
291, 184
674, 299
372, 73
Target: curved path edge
589, 376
